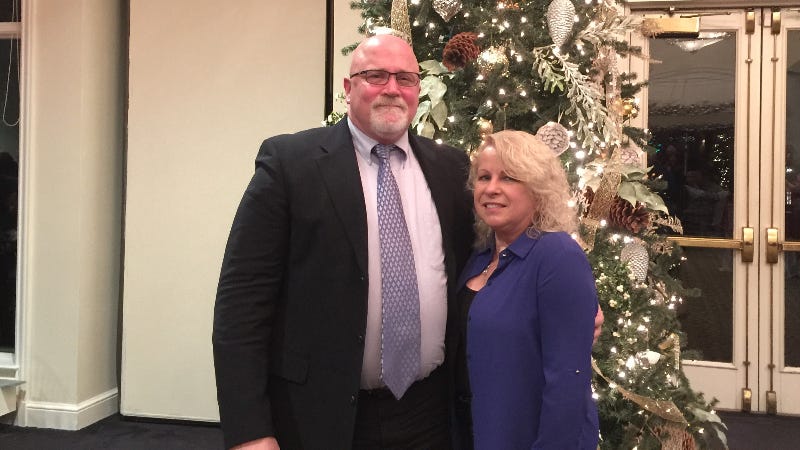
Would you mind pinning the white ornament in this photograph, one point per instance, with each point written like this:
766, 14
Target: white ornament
555, 136
635, 255
652, 357
630, 154
560, 18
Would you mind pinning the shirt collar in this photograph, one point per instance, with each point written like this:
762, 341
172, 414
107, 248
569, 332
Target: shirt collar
364, 144
520, 247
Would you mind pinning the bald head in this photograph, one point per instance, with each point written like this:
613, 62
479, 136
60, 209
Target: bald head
381, 44
382, 112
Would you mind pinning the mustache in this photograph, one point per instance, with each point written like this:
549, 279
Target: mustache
399, 104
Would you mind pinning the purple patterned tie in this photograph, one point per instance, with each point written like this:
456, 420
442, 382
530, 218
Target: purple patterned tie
400, 332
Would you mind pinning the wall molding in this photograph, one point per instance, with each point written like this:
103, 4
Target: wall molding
67, 416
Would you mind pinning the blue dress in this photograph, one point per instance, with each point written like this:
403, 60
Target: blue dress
528, 350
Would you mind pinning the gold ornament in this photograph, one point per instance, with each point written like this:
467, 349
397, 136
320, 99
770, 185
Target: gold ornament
491, 59
400, 23
560, 18
630, 108
555, 136
447, 8
508, 5
485, 127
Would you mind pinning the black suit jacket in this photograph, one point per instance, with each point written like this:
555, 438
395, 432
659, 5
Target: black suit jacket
291, 307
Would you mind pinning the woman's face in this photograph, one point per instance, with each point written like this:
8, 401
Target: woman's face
504, 203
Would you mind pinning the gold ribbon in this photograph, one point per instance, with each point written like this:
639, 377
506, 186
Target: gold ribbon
665, 409
400, 22
601, 204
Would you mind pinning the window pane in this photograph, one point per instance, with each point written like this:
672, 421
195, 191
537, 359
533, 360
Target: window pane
10, 11
691, 120
9, 174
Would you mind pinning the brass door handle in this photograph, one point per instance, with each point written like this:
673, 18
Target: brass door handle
773, 248
745, 244
748, 247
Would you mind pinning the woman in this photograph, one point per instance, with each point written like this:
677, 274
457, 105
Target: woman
530, 304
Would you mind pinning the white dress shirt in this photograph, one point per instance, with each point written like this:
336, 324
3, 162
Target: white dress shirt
426, 242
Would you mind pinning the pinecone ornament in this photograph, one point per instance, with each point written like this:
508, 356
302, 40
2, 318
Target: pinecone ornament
622, 214
633, 218
560, 18
460, 50
555, 136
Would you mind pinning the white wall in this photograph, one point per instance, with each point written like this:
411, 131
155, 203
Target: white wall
209, 81
71, 207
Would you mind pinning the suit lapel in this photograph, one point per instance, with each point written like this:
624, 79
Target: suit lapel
339, 169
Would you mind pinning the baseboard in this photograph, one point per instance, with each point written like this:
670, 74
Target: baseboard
66, 416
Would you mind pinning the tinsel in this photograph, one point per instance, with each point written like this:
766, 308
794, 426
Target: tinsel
460, 50
447, 9
560, 18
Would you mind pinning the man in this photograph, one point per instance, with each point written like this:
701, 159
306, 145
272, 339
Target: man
298, 316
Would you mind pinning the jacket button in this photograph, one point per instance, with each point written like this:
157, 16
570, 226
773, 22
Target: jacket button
352, 399
360, 338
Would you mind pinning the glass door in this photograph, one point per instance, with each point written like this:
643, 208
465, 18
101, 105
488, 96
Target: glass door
719, 107
779, 283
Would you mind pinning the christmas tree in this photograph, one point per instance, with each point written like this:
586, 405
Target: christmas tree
551, 68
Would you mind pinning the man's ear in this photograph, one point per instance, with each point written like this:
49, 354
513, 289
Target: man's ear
347, 90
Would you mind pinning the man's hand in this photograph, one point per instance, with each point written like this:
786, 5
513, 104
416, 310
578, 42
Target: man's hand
267, 443
598, 324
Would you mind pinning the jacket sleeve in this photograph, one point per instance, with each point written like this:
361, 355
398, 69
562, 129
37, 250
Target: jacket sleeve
249, 286
567, 305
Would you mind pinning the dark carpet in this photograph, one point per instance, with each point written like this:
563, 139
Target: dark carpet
745, 432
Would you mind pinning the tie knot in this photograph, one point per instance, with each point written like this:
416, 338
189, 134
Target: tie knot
383, 151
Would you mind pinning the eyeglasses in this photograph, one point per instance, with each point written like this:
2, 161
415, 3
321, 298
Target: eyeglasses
381, 77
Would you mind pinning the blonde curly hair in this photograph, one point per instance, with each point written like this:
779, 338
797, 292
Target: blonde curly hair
526, 158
